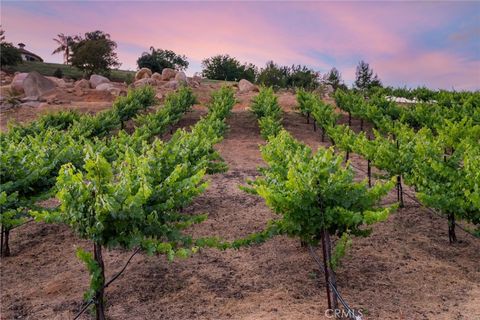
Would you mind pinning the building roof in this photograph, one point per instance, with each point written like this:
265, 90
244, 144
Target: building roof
26, 52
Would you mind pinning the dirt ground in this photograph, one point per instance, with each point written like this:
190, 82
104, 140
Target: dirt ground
405, 270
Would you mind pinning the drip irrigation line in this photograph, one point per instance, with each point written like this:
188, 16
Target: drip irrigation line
123, 269
350, 311
23, 223
439, 215
89, 303
85, 307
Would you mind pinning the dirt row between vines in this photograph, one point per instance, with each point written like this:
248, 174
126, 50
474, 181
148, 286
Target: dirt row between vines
405, 270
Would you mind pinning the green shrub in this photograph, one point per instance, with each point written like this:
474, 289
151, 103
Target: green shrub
58, 73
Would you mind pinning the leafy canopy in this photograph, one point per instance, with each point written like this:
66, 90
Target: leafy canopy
224, 67
314, 191
364, 78
159, 59
9, 55
95, 53
276, 76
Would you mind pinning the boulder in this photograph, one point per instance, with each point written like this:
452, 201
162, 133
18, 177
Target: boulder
157, 77
246, 86
31, 104
58, 82
82, 84
104, 87
168, 74
197, 77
144, 82
192, 83
161, 83
80, 87
110, 88
29, 99
143, 73
173, 84
36, 85
96, 79
17, 82
181, 77
328, 90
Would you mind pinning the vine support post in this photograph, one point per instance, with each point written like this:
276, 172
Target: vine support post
308, 117
99, 295
399, 183
5, 248
330, 279
400, 191
323, 134
1, 243
314, 125
361, 124
347, 156
452, 237
369, 172
349, 119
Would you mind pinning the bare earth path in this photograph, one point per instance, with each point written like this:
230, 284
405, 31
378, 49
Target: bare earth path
404, 270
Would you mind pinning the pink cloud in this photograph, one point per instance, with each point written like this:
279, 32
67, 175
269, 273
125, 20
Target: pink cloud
289, 33
443, 69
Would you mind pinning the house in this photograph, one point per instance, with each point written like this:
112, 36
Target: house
27, 55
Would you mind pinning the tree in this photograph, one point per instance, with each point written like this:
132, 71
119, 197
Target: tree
302, 77
364, 77
159, 59
250, 72
288, 77
224, 67
2, 34
9, 55
333, 78
64, 45
94, 53
273, 75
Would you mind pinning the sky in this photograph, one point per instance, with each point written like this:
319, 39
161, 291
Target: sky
436, 44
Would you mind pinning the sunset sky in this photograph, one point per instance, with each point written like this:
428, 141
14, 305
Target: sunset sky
409, 43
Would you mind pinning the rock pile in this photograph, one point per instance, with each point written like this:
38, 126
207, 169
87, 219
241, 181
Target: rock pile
168, 79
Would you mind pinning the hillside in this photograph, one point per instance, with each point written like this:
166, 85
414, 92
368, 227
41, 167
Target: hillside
48, 69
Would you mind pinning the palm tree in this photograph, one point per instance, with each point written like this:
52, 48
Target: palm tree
2, 34
65, 44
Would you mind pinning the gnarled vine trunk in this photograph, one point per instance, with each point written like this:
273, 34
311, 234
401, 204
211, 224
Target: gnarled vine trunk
369, 173
400, 191
99, 295
330, 278
4, 246
452, 237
